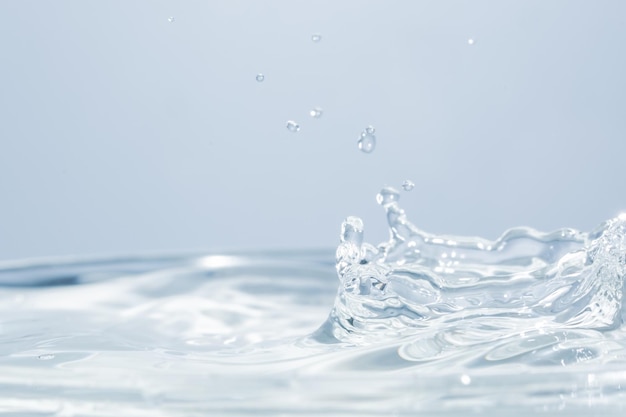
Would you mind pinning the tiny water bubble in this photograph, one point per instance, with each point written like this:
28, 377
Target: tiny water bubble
370, 130
293, 126
171, 19
316, 37
45, 357
316, 112
470, 41
260, 77
408, 185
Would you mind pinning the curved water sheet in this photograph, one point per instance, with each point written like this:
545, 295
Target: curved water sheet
531, 315
420, 325
417, 282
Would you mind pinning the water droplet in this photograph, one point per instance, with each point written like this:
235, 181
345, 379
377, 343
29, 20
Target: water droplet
408, 185
465, 379
45, 357
293, 126
260, 77
352, 230
171, 19
316, 37
387, 196
316, 113
470, 41
367, 142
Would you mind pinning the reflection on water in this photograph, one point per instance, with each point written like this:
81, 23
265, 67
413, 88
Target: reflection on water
529, 323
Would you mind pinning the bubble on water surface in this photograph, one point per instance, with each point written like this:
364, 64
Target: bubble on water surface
293, 126
408, 185
316, 112
260, 77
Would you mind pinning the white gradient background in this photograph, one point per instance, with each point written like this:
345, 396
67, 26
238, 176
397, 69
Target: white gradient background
123, 133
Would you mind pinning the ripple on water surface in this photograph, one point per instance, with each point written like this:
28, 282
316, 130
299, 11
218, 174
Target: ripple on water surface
420, 323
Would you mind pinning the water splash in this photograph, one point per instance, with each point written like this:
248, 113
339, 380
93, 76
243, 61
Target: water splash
530, 320
475, 289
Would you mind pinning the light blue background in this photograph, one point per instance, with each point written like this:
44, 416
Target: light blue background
121, 132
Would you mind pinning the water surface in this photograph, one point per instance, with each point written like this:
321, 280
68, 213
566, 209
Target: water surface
418, 325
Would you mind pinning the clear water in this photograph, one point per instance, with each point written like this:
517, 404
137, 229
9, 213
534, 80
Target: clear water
293, 126
420, 325
408, 185
316, 112
367, 140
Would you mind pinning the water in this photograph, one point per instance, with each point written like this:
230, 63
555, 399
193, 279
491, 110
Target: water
367, 140
293, 126
316, 37
470, 41
408, 185
465, 291
421, 324
316, 112
45, 357
260, 77
171, 19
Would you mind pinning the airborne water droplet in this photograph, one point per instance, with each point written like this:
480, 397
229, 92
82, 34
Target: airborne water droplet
367, 142
293, 126
316, 113
408, 185
171, 19
260, 77
387, 196
316, 37
470, 41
